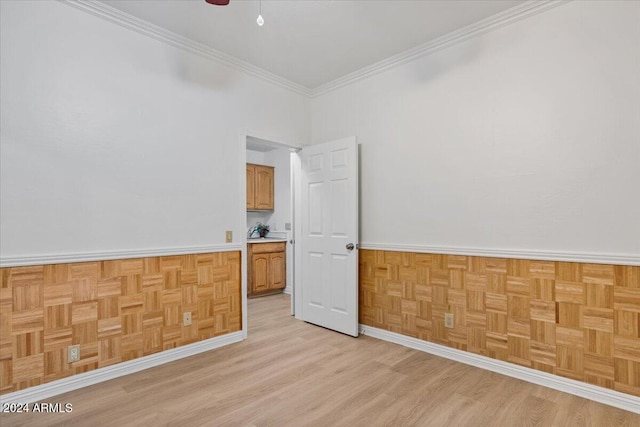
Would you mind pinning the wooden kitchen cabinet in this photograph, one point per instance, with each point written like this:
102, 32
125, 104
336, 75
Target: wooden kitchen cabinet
260, 183
260, 273
267, 268
277, 270
251, 187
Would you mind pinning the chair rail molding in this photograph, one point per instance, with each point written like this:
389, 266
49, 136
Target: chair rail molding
593, 258
62, 258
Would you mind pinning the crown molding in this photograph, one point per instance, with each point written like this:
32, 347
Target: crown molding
23, 261
592, 258
577, 388
498, 20
146, 28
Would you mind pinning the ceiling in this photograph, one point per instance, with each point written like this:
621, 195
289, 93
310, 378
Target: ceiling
263, 145
313, 42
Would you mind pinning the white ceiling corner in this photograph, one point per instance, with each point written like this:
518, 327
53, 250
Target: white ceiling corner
313, 46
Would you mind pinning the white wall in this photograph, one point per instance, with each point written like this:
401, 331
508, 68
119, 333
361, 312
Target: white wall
112, 140
527, 137
280, 160
256, 157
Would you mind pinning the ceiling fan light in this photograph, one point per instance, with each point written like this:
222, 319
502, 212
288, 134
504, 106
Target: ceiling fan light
260, 20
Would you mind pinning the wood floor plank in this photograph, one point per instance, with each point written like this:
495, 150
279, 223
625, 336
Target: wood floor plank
290, 373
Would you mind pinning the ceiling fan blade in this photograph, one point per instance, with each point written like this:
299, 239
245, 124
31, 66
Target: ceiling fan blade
218, 2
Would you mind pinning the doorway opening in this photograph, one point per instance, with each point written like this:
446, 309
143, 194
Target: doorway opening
322, 199
280, 160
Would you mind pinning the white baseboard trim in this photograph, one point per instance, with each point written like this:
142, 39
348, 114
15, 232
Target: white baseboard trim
21, 261
54, 388
577, 388
615, 259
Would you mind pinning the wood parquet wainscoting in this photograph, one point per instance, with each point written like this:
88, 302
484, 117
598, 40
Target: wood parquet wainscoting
291, 373
116, 310
580, 321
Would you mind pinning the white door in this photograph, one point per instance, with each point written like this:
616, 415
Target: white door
330, 235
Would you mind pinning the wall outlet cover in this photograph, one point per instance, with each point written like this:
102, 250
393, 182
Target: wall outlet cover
448, 320
73, 353
186, 317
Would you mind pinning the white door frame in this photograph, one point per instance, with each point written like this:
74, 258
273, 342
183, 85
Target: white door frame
242, 215
296, 180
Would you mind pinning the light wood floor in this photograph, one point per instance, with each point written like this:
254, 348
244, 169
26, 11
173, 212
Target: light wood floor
289, 373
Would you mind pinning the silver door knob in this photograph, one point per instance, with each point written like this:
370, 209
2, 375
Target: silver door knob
350, 246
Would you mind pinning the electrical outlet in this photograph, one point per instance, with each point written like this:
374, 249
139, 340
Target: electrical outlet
448, 320
229, 236
73, 353
186, 317
287, 226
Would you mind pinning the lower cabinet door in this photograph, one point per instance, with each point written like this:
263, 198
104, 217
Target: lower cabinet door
259, 273
277, 270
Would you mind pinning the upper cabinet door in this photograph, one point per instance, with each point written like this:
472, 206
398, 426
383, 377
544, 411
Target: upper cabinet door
264, 187
251, 187
260, 181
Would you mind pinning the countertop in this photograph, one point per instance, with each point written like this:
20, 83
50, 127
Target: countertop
266, 239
